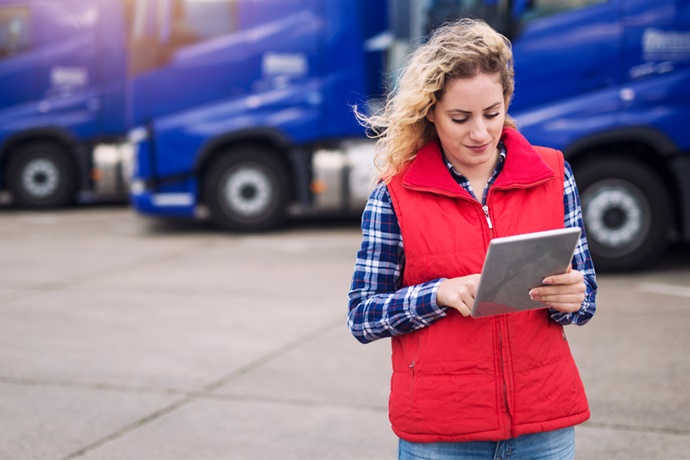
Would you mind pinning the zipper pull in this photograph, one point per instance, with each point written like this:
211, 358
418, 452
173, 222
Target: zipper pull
488, 219
412, 364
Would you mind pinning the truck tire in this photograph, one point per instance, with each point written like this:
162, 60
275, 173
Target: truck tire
626, 211
40, 175
247, 190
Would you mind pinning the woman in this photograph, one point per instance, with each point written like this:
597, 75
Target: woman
453, 173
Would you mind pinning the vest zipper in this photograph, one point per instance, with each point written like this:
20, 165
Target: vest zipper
503, 369
488, 221
412, 385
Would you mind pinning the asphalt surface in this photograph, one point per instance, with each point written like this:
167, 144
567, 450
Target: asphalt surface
123, 337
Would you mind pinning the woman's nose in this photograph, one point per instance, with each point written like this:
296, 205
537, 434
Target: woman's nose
478, 130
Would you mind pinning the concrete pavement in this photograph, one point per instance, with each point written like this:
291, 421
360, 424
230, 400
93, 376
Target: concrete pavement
127, 338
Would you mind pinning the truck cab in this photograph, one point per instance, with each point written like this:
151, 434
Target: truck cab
239, 100
606, 82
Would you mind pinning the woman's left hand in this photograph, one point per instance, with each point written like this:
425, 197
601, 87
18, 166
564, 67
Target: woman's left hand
564, 292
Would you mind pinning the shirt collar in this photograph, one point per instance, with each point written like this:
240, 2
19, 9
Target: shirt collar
499, 164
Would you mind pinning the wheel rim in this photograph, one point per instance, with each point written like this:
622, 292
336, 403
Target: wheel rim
248, 192
616, 214
40, 178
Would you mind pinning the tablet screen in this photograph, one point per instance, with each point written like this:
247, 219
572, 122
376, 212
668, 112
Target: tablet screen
518, 263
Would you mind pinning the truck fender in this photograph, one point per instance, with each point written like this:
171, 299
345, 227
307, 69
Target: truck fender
47, 134
77, 155
653, 137
296, 160
261, 135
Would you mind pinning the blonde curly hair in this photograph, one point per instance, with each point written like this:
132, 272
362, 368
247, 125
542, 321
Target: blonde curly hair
461, 49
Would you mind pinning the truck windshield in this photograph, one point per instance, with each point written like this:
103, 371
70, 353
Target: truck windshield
506, 16
14, 31
494, 12
198, 21
541, 8
158, 28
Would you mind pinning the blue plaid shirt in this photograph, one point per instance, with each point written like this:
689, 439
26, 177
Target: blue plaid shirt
379, 307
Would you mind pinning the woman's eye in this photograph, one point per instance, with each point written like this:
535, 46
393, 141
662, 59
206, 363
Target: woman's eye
459, 120
492, 115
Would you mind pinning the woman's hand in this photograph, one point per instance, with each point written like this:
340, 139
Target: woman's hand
458, 293
564, 292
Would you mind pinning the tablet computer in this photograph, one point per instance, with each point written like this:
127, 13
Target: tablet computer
516, 264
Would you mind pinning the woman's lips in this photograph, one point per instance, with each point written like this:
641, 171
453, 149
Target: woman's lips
478, 148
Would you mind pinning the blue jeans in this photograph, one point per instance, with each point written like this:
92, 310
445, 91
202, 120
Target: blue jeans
551, 445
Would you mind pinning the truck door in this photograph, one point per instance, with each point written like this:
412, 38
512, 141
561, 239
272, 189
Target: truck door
46, 56
206, 69
62, 57
563, 49
17, 77
657, 65
184, 53
66, 64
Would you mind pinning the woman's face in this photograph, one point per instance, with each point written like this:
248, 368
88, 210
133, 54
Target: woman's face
469, 120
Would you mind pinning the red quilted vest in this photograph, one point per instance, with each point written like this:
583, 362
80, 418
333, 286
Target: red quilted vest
465, 379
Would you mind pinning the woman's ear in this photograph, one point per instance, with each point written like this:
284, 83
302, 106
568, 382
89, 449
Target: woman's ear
430, 115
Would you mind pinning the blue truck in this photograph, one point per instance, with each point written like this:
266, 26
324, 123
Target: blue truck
64, 110
245, 107
241, 109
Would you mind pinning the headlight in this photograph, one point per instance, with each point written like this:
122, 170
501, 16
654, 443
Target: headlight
137, 135
137, 187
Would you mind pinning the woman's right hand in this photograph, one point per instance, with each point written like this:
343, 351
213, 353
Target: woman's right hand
458, 293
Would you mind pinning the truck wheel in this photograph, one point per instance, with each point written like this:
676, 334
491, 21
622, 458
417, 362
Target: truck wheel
40, 175
627, 213
247, 190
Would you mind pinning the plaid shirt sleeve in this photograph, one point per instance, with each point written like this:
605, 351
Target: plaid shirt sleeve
582, 259
378, 306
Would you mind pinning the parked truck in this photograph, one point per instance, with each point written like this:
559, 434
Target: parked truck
608, 83
64, 107
245, 107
